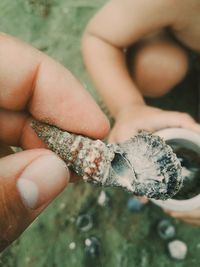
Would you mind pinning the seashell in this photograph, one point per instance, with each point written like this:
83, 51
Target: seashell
177, 249
134, 204
103, 199
92, 246
166, 229
84, 222
72, 245
144, 165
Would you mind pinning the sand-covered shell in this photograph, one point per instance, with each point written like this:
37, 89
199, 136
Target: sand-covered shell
144, 165
156, 167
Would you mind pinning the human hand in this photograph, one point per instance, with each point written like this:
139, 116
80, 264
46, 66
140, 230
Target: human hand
34, 85
191, 217
132, 119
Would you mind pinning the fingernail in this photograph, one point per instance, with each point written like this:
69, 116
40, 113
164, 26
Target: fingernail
42, 180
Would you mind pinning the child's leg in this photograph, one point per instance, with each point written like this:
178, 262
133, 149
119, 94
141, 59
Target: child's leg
157, 65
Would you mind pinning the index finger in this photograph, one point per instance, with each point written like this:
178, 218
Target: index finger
32, 81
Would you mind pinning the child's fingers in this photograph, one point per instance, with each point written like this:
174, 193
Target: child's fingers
179, 119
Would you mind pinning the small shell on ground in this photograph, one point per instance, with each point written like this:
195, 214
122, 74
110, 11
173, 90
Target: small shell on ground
134, 205
92, 247
72, 245
84, 222
177, 249
166, 230
103, 199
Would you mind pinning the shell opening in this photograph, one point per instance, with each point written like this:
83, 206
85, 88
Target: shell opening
121, 165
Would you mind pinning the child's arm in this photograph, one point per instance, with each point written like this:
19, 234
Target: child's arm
117, 25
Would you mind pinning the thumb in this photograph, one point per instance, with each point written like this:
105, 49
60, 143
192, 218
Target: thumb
29, 181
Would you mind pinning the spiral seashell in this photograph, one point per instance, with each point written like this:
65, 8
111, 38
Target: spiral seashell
144, 165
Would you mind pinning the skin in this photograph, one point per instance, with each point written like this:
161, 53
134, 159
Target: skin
156, 64
191, 217
34, 85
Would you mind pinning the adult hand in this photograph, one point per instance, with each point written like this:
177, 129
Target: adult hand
132, 119
34, 85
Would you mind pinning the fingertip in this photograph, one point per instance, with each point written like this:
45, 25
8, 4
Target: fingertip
42, 180
101, 127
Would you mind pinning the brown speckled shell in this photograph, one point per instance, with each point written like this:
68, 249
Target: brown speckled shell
89, 158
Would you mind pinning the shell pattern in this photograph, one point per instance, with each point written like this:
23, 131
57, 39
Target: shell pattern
144, 165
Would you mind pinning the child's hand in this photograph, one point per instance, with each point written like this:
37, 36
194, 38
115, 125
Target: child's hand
131, 119
191, 217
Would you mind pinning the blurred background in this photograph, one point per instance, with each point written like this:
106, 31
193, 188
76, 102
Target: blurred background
85, 226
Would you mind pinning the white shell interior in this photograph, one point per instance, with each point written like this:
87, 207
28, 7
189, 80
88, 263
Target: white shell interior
190, 140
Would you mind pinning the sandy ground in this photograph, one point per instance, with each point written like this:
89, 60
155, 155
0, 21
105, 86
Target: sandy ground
126, 239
